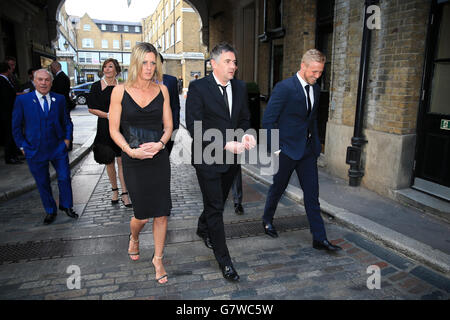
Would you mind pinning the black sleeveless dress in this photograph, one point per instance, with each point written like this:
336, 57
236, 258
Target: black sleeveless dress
148, 180
98, 99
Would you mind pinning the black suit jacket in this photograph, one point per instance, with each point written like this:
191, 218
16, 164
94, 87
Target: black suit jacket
205, 103
172, 86
7, 98
61, 85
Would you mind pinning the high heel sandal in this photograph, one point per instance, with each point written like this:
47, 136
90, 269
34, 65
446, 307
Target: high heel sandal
115, 201
163, 276
130, 205
133, 254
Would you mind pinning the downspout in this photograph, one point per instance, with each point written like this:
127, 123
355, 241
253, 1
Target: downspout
356, 172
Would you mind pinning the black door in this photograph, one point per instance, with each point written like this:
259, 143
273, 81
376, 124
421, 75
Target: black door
433, 144
324, 39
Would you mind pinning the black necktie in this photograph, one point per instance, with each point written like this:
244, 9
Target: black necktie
309, 100
225, 95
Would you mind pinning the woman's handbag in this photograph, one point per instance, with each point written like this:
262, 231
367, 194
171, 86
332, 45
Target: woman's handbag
103, 154
138, 136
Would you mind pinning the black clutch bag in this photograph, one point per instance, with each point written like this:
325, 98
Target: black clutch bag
138, 136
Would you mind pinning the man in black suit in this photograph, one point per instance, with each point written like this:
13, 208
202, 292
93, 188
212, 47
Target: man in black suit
218, 102
172, 86
61, 85
7, 98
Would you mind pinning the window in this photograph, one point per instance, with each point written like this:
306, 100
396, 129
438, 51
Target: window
172, 5
137, 29
88, 43
163, 43
172, 34
125, 28
104, 44
87, 27
103, 27
85, 57
115, 28
127, 44
116, 44
178, 1
167, 10
126, 58
178, 29
167, 39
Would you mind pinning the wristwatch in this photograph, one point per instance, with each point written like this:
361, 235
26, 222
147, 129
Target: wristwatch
163, 144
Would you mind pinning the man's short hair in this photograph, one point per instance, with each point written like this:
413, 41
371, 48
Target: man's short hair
313, 55
221, 48
43, 70
56, 64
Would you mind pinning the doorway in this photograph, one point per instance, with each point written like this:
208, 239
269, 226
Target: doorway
432, 167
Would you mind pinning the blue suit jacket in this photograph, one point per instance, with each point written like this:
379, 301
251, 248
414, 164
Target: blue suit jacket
27, 125
287, 111
172, 86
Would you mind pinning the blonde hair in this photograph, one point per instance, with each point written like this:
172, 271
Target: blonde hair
137, 58
313, 55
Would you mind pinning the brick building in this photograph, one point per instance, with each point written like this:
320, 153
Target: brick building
98, 40
175, 29
404, 112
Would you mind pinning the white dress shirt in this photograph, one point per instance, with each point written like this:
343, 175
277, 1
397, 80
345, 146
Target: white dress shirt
311, 91
229, 92
41, 100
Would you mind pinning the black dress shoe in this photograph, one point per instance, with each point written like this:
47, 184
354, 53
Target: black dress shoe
325, 245
269, 229
230, 274
238, 209
207, 240
49, 218
69, 212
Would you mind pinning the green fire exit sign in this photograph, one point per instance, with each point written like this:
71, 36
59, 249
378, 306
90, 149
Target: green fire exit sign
445, 124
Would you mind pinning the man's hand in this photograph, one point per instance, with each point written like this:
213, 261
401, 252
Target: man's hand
235, 147
248, 141
67, 142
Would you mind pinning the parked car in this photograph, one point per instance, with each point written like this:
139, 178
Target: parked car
80, 92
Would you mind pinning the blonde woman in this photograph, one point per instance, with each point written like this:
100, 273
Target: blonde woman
105, 150
141, 109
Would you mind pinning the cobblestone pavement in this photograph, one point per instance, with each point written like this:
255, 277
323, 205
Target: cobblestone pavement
36, 260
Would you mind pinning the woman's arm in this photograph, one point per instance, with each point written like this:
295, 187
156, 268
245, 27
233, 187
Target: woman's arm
154, 147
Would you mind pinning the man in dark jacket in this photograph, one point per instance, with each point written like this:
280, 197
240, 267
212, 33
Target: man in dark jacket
61, 85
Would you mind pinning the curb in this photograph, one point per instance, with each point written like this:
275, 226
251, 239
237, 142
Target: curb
75, 157
405, 245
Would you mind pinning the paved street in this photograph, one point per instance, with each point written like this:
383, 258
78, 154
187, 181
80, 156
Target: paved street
35, 258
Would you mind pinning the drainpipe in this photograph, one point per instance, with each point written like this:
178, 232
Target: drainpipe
356, 172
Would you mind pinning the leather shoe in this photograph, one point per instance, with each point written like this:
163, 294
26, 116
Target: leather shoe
207, 240
325, 245
230, 274
49, 218
270, 230
69, 212
238, 209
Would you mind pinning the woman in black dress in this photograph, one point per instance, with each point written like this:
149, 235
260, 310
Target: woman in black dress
104, 147
140, 122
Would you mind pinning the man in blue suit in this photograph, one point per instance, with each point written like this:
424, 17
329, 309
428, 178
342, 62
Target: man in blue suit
292, 109
42, 130
172, 86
